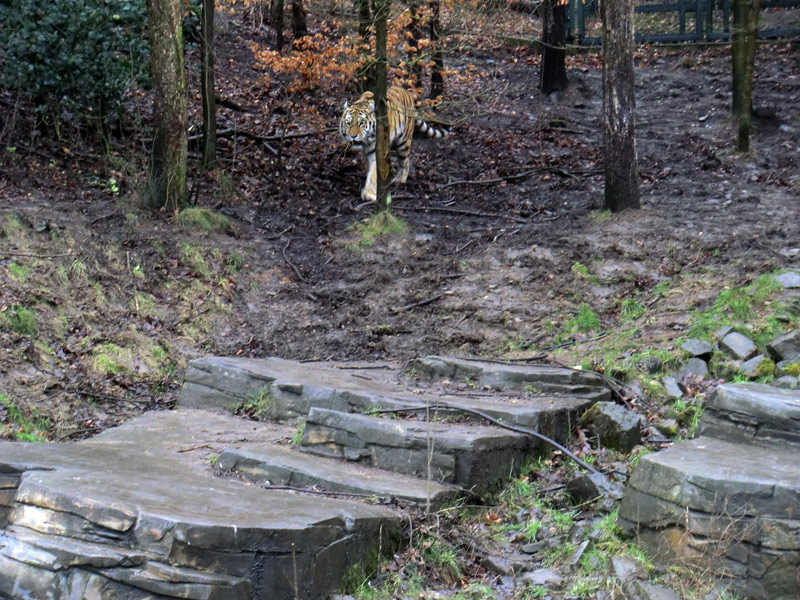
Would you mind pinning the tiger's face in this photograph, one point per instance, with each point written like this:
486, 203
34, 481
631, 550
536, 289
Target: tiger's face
357, 124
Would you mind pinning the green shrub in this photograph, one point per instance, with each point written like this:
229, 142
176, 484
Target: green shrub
73, 55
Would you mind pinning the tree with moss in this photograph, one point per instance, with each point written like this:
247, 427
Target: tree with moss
167, 173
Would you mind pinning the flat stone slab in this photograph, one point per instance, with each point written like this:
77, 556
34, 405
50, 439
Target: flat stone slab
279, 465
467, 455
138, 513
295, 388
730, 507
754, 413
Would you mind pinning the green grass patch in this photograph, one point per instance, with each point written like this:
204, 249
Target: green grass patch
110, 359
585, 321
20, 319
13, 227
257, 404
631, 309
18, 272
203, 219
192, 255
382, 224
26, 428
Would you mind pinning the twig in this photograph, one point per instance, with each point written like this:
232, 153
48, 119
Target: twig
489, 181
291, 264
36, 255
77, 431
460, 211
417, 304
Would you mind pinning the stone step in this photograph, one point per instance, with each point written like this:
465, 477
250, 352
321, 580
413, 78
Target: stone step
473, 457
753, 413
279, 465
295, 388
504, 376
139, 513
729, 504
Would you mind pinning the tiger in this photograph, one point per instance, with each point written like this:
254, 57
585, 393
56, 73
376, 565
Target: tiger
358, 128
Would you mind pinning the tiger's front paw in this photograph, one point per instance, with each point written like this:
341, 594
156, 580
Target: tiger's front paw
369, 194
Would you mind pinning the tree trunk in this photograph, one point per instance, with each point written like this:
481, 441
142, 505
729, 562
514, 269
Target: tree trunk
208, 86
437, 78
415, 31
743, 53
367, 80
553, 74
380, 8
278, 20
619, 124
299, 22
168, 161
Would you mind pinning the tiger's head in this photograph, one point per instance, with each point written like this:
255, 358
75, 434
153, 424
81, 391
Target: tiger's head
358, 121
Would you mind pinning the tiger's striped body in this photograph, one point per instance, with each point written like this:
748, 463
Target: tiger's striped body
358, 128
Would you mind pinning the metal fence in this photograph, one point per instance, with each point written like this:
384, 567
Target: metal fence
683, 20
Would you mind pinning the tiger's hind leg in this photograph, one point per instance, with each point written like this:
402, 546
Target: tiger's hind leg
404, 156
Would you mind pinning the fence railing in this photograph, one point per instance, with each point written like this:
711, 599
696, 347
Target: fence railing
683, 20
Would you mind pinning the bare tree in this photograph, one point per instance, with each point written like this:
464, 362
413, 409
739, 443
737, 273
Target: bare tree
299, 21
380, 10
553, 73
168, 161
743, 54
619, 124
207, 87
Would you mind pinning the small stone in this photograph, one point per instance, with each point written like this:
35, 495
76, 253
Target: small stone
738, 346
722, 332
788, 367
614, 425
575, 559
758, 366
534, 547
652, 364
669, 427
546, 577
623, 568
786, 346
642, 590
692, 371
589, 486
786, 382
672, 387
698, 348
789, 280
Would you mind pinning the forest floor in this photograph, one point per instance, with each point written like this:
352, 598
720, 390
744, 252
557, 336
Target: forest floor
507, 251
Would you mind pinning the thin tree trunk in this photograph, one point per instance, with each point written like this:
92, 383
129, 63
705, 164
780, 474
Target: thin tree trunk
619, 125
743, 52
299, 22
208, 86
380, 9
437, 77
414, 58
278, 20
367, 79
553, 73
168, 162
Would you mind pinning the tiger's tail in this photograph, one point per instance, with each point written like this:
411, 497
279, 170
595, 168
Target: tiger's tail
433, 130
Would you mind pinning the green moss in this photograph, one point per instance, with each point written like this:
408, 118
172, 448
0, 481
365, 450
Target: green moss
585, 321
20, 319
110, 359
792, 369
18, 272
203, 219
26, 427
192, 255
382, 224
13, 227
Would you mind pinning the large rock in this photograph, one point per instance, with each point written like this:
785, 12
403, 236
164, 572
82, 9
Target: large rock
614, 425
786, 346
753, 413
139, 514
730, 503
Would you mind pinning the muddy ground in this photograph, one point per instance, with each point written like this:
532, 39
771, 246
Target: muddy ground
503, 217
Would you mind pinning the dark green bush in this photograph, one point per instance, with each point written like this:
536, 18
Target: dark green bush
73, 56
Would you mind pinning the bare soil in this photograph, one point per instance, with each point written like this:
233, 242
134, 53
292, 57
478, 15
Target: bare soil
502, 216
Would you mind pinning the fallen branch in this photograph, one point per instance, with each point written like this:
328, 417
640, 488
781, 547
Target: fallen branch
291, 264
417, 304
459, 211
